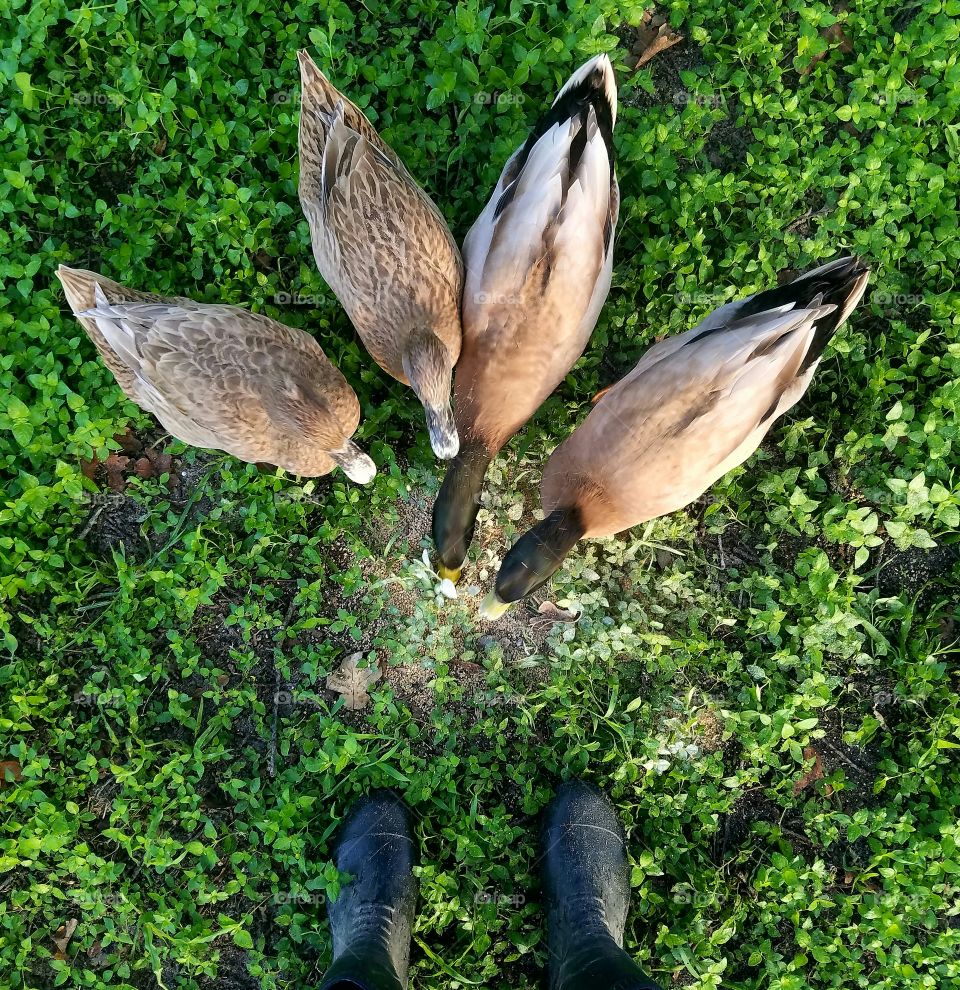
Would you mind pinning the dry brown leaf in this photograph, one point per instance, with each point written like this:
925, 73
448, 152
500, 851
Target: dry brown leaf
116, 465
62, 936
129, 442
89, 468
143, 468
835, 38
556, 614
12, 769
162, 463
352, 681
814, 774
653, 36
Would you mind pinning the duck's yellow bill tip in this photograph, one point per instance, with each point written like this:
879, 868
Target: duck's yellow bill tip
449, 573
491, 608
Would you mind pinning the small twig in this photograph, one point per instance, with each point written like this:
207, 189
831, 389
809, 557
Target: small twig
94, 516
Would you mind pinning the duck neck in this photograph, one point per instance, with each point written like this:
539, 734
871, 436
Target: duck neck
558, 533
455, 510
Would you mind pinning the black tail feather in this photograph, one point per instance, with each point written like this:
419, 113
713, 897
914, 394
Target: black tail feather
575, 102
830, 284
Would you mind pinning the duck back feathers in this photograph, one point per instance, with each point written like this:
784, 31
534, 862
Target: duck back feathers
539, 260
383, 247
698, 404
538, 264
588, 96
320, 104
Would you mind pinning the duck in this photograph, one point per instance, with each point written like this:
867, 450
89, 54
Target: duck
695, 406
223, 378
384, 249
538, 260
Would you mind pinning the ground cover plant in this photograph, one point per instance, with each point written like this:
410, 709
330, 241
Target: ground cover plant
765, 683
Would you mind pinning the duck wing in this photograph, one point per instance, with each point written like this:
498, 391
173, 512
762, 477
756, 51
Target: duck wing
385, 248
699, 404
539, 257
320, 103
224, 378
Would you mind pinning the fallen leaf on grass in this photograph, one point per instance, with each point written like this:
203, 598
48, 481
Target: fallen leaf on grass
552, 611
116, 465
352, 681
62, 936
835, 38
89, 468
814, 774
556, 614
11, 768
162, 463
96, 955
653, 36
129, 442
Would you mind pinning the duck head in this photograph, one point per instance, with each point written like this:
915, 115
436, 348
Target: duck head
533, 560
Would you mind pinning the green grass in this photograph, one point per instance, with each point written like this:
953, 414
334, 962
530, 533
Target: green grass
165, 652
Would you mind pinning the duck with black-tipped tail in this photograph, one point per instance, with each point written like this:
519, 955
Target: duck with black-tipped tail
695, 406
538, 265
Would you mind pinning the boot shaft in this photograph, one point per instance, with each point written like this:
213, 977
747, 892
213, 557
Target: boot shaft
586, 888
372, 917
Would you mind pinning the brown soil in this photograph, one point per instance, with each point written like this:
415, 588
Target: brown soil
665, 69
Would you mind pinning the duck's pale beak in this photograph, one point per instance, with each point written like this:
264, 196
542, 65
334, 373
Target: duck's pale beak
449, 573
491, 608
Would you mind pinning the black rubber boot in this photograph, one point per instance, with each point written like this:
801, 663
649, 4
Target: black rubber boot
371, 919
586, 893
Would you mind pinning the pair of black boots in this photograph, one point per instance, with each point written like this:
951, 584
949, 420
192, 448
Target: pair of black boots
586, 892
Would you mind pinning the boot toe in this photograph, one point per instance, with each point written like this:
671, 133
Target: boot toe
578, 803
380, 812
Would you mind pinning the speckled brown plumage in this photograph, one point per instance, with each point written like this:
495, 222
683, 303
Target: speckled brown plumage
383, 247
221, 377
